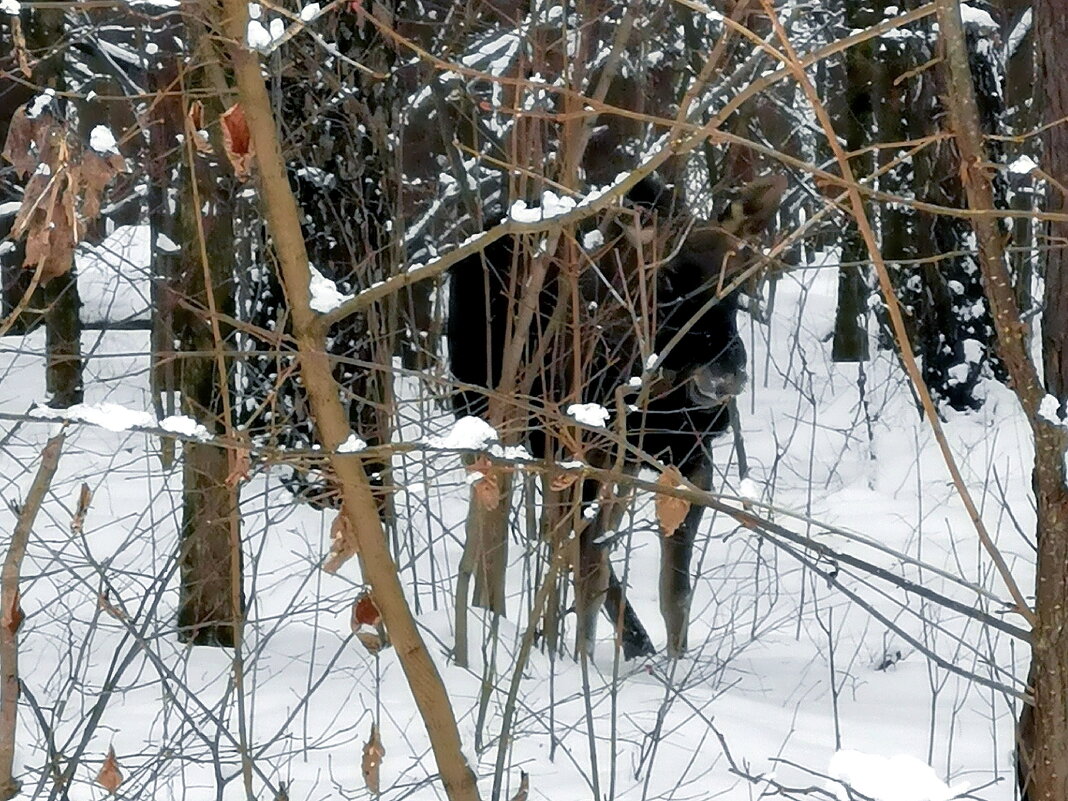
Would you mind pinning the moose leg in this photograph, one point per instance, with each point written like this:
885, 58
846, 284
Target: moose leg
676, 552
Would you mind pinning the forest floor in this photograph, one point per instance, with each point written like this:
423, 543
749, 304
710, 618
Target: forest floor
784, 670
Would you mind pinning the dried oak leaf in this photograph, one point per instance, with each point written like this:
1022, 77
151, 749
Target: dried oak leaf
48, 219
670, 511
237, 141
373, 753
194, 118
487, 488
18, 146
110, 777
12, 615
343, 544
366, 623
95, 173
78, 521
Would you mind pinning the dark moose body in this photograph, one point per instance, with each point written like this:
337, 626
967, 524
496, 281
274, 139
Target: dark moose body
680, 274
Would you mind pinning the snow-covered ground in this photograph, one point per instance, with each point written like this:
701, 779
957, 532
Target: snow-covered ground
784, 669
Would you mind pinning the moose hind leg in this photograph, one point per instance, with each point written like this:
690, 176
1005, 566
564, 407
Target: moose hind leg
676, 553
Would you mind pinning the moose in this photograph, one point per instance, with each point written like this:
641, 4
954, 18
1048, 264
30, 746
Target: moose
648, 318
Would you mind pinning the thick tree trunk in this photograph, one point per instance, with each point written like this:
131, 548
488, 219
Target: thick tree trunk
56, 304
332, 423
1042, 759
210, 597
850, 342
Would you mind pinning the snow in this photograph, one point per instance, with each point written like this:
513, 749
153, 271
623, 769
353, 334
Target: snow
309, 12
102, 140
781, 663
325, 296
591, 240
106, 415
897, 778
11, 7
971, 15
352, 444
552, 205
1050, 410
1024, 165
40, 103
468, 434
186, 426
589, 414
114, 277
257, 37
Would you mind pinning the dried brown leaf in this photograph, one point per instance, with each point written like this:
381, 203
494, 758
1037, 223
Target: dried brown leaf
373, 754
487, 489
110, 777
95, 173
18, 146
237, 141
78, 521
670, 511
195, 128
524, 787
11, 616
365, 611
343, 545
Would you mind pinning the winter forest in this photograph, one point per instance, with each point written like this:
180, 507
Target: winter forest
534, 399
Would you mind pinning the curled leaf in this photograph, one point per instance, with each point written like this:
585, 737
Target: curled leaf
110, 777
670, 511
237, 141
343, 545
12, 615
373, 753
84, 498
366, 623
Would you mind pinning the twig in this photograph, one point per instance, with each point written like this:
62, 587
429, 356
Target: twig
11, 613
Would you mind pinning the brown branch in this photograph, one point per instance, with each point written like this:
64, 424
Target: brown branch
283, 221
11, 613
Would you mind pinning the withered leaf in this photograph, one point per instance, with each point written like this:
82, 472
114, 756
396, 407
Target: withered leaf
17, 148
110, 777
96, 172
12, 615
670, 511
237, 141
373, 753
365, 611
84, 498
343, 545
487, 489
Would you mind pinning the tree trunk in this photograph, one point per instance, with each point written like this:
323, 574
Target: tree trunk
1042, 759
56, 304
210, 597
850, 331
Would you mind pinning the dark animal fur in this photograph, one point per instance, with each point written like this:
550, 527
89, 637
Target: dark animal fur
693, 329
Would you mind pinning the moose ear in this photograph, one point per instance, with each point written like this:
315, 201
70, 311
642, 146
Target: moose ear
755, 207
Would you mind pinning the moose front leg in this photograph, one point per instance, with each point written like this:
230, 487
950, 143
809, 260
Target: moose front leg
676, 552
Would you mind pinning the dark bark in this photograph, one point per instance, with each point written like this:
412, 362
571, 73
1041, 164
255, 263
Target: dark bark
850, 342
210, 602
56, 304
1042, 759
